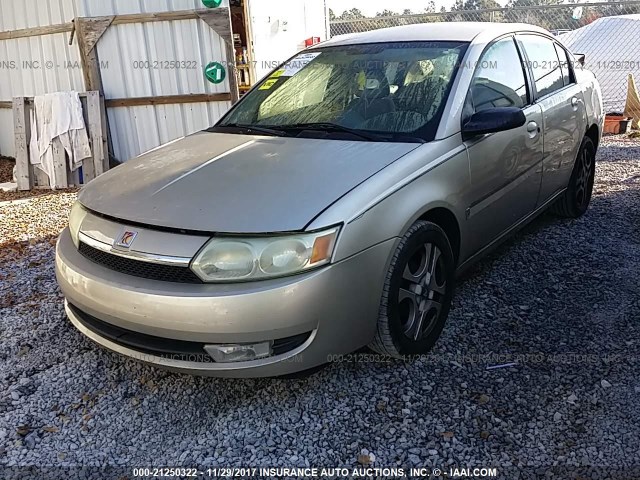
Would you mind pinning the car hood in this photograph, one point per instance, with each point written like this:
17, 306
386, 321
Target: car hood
216, 182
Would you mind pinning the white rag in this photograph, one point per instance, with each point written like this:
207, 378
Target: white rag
58, 115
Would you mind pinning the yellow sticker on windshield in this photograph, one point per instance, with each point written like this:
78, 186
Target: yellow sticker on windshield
268, 84
277, 74
362, 80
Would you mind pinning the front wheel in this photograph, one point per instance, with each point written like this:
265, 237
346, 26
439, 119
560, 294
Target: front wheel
575, 200
417, 293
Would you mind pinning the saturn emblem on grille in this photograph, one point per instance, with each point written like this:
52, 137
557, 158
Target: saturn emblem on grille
126, 239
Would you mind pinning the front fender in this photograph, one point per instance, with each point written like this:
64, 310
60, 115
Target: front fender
422, 184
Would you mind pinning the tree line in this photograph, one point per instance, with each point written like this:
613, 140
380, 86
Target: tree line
545, 13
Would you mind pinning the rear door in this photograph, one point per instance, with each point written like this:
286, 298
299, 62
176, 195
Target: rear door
505, 167
563, 110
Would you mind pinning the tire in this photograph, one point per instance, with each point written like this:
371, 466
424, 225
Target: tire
574, 202
417, 293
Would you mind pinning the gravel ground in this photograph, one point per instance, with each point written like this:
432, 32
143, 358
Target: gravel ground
18, 195
6, 175
561, 301
6, 169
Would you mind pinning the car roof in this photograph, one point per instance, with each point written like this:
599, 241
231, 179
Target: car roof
477, 32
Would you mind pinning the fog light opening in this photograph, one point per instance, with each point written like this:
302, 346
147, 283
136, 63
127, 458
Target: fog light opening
239, 353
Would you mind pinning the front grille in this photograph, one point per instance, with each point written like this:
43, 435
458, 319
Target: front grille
166, 347
128, 266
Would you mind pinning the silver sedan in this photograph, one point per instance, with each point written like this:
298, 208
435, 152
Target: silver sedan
334, 205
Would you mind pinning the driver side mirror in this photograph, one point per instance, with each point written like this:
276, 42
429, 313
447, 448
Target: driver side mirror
493, 120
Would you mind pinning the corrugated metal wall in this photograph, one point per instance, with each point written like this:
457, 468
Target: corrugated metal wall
122, 7
124, 50
36, 65
134, 130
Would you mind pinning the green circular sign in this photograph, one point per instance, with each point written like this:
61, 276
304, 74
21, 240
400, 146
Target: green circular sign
211, 3
215, 72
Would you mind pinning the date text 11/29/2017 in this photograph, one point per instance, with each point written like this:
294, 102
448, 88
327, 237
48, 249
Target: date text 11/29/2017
310, 472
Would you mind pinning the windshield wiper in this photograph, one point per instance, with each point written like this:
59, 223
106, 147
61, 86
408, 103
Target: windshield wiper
334, 127
252, 129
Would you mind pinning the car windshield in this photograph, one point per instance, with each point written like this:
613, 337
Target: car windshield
391, 91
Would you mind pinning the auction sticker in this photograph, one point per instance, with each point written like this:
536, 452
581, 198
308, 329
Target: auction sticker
298, 63
268, 84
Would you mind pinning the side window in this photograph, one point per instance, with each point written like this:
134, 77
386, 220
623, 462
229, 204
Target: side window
544, 63
499, 79
564, 64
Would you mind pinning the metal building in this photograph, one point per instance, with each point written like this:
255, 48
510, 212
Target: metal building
149, 58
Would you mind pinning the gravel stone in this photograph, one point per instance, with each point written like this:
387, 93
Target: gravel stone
560, 300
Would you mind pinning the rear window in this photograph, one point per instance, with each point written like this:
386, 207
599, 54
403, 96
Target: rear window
544, 63
564, 64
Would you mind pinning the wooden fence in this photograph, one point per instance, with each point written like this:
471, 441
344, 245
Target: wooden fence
87, 31
29, 176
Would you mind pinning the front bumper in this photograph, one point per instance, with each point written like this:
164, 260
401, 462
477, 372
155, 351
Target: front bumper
337, 306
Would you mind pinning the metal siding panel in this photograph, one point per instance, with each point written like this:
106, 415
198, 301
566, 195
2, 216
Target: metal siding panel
122, 131
133, 129
161, 45
168, 123
7, 141
146, 128
117, 129
136, 130
57, 67
17, 14
23, 80
121, 7
124, 46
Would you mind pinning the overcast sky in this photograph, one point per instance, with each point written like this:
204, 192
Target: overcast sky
371, 7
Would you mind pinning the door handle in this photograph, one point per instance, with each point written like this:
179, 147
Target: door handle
532, 127
574, 102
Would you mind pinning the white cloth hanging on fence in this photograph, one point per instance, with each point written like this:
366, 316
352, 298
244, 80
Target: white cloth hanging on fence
58, 115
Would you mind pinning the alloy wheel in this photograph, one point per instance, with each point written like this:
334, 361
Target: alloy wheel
422, 291
584, 178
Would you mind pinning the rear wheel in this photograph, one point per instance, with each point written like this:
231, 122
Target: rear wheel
575, 200
417, 293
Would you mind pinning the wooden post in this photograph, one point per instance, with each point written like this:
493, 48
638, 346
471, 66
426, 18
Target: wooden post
22, 152
59, 179
30, 176
107, 145
232, 72
38, 177
219, 19
88, 170
249, 32
89, 31
94, 115
73, 178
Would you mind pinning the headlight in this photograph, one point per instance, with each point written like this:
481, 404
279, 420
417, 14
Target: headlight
241, 259
75, 220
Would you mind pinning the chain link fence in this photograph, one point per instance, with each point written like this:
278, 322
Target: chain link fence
607, 33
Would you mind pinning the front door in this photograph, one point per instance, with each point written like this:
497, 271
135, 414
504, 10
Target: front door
505, 167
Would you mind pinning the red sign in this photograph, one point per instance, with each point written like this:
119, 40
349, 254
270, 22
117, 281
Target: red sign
311, 41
